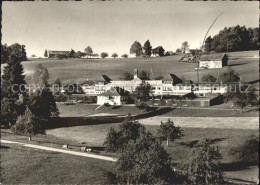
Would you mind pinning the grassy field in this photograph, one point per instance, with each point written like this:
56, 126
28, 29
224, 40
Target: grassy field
79, 70
20, 165
83, 110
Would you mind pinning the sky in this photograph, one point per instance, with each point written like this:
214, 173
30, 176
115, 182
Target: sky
113, 26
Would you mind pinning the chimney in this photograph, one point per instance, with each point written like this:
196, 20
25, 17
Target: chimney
135, 73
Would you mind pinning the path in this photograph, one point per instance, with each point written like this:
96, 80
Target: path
61, 151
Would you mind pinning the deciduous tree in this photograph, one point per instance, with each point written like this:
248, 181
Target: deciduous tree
104, 55
136, 49
147, 48
114, 55
124, 56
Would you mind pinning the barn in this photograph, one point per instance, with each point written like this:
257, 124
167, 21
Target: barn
211, 61
158, 51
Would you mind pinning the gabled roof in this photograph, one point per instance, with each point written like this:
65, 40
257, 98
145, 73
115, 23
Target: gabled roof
58, 52
115, 91
158, 48
175, 79
170, 52
215, 56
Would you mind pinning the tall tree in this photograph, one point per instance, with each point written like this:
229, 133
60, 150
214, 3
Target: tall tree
169, 132
45, 53
208, 45
203, 164
41, 75
147, 48
145, 162
136, 49
19, 51
184, 46
88, 50
143, 92
5, 53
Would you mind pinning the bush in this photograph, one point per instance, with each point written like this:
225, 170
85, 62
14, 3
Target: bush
248, 151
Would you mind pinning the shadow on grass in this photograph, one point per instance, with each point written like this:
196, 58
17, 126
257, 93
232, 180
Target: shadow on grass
158, 112
237, 64
4, 147
81, 121
237, 166
193, 143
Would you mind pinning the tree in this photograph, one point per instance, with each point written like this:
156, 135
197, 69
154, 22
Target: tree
88, 50
114, 55
104, 55
5, 53
142, 92
28, 124
145, 162
41, 75
229, 76
45, 53
79, 54
178, 50
129, 131
209, 78
124, 56
19, 51
136, 49
184, 47
42, 104
127, 76
248, 151
147, 48
208, 45
167, 131
203, 164
9, 111
144, 75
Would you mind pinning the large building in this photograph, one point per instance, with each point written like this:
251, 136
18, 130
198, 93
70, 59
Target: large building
113, 92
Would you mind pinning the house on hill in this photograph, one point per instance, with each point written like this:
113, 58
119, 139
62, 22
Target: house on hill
60, 54
158, 51
211, 61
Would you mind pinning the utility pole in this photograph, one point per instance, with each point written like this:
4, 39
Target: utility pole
203, 44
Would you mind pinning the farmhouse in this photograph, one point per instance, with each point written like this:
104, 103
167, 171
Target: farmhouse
169, 53
113, 96
212, 61
60, 54
158, 51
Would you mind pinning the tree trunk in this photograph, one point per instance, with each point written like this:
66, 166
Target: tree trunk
167, 142
30, 138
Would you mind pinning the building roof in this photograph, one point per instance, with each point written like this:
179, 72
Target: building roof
175, 79
212, 57
90, 83
170, 52
58, 52
115, 91
157, 48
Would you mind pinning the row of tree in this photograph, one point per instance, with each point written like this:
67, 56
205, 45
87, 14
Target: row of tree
140, 50
234, 38
15, 49
143, 159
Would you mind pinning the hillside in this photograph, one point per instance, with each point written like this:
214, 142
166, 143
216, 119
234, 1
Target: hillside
79, 70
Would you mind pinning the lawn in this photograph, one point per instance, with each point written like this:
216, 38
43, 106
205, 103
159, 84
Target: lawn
20, 165
79, 70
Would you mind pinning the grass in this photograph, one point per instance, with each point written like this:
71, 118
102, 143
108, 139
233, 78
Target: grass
79, 70
20, 165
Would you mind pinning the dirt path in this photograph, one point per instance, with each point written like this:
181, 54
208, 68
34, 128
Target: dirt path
60, 150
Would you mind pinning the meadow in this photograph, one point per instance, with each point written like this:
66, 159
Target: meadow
79, 70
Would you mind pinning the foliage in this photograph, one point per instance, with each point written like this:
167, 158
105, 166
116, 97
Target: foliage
168, 131
28, 124
229, 76
104, 55
234, 38
124, 56
143, 92
184, 46
142, 105
42, 104
127, 76
33, 55
147, 48
178, 50
129, 131
88, 50
9, 111
145, 162
136, 49
203, 164
14, 49
41, 75
209, 78
45, 53
114, 55
248, 151
79, 54
144, 75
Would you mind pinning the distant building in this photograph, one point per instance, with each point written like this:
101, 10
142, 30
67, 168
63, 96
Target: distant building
169, 53
212, 61
158, 51
113, 96
60, 54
